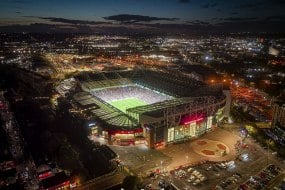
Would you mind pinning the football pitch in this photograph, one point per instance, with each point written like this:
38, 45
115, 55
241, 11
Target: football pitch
124, 104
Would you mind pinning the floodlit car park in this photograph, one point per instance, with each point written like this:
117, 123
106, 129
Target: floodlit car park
212, 175
220, 175
229, 181
179, 165
198, 176
262, 179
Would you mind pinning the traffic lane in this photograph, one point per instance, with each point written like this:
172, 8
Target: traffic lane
104, 183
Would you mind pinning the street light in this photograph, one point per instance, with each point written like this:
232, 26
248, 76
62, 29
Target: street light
268, 142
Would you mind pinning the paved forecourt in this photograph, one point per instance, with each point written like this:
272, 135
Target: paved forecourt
217, 145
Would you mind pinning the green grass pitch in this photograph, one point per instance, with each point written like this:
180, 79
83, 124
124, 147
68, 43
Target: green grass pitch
124, 104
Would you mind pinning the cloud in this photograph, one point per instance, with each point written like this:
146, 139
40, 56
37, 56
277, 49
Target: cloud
261, 4
70, 21
20, 1
126, 18
18, 12
198, 22
251, 26
205, 6
184, 1
276, 2
233, 13
17, 7
238, 19
250, 6
276, 17
209, 5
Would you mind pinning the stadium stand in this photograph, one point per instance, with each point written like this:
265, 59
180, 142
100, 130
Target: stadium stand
147, 95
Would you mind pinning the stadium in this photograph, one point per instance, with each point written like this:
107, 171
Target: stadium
148, 106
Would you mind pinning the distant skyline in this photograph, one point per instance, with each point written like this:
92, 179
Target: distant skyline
267, 14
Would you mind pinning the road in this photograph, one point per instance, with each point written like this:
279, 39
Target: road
276, 181
25, 166
103, 183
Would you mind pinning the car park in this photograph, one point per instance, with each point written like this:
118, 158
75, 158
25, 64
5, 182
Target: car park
262, 179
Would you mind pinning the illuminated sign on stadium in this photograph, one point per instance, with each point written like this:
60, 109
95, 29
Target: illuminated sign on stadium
191, 118
113, 132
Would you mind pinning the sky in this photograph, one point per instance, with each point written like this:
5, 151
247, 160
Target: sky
201, 13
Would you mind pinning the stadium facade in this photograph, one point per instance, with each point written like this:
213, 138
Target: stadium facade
154, 107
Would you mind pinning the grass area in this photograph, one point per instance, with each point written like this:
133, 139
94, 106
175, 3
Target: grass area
124, 104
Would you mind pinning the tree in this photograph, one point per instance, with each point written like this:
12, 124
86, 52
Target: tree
68, 158
130, 182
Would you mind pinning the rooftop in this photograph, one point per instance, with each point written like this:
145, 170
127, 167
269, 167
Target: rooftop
55, 180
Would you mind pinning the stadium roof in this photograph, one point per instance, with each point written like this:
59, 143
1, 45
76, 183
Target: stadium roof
105, 112
156, 109
108, 83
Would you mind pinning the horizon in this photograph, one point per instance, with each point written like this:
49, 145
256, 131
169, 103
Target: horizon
191, 16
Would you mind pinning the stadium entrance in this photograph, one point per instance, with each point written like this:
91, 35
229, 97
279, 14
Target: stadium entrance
187, 128
186, 131
181, 132
126, 137
190, 128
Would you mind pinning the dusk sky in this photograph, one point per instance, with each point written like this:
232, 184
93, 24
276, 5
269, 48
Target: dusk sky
93, 12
